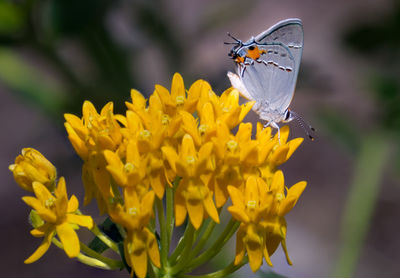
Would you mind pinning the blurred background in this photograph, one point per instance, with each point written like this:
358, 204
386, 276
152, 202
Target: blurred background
54, 54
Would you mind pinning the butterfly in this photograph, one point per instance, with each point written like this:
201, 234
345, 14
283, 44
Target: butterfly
267, 69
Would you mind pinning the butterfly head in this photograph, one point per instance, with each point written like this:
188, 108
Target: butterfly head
237, 44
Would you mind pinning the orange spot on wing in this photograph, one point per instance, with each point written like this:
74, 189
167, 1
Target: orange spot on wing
239, 60
254, 53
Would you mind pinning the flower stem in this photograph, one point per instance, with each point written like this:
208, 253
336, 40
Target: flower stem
181, 244
170, 213
110, 262
230, 229
104, 238
204, 238
95, 259
220, 273
184, 255
163, 233
150, 270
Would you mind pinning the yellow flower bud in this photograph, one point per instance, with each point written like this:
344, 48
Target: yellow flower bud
32, 166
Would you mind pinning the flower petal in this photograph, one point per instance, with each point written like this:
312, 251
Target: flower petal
44, 246
69, 239
41, 192
152, 248
73, 204
62, 198
81, 220
240, 249
292, 196
44, 213
171, 155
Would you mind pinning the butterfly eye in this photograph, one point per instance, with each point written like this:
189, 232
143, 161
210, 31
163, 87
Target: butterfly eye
233, 54
251, 47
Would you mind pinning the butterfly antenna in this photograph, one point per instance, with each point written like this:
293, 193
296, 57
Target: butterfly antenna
304, 125
235, 39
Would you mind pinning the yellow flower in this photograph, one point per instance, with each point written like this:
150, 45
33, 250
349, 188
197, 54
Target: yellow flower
136, 212
248, 208
90, 136
274, 152
192, 195
178, 99
140, 242
237, 155
227, 108
59, 216
94, 131
130, 173
32, 166
279, 205
139, 245
151, 128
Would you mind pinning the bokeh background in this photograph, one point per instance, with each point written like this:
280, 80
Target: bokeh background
54, 54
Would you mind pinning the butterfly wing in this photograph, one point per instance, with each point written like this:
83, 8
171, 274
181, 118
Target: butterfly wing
238, 85
273, 79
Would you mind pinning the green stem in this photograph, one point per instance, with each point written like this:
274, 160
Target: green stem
104, 238
95, 259
163, 233
90, 252
150, 270
179, 248
170, 213
230, 229
203, 239
220, 273
184, 256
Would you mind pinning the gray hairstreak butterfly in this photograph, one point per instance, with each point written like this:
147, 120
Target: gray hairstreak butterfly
267, 69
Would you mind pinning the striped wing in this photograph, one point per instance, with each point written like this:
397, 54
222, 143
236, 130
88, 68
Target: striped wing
273, 79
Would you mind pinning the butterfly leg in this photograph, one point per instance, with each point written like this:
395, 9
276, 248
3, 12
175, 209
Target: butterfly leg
242, 69
276, 126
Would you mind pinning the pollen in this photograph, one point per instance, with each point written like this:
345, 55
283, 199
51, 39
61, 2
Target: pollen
180, 100
165, 119
251, 204
49, 202
190, 160
202, 129
232, 145
145, 134
133, 211
129, 167
279, 197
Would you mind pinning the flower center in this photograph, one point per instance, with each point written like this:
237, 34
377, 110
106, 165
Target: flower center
133, 211
129, 167
231, 145
203, 129
144, 134
251, 204
49, 202
180, 100
165, 119
190, 160
279, 197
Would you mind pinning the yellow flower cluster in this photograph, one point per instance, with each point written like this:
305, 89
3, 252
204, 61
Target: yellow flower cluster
182, 141
54, 214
